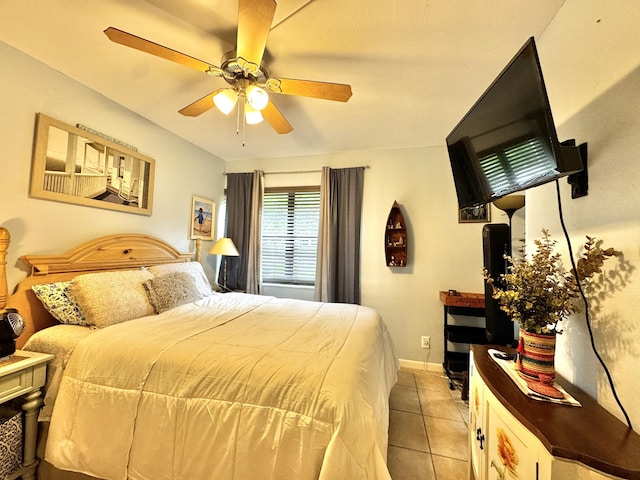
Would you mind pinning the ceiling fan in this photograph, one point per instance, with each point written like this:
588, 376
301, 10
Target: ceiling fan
248, 79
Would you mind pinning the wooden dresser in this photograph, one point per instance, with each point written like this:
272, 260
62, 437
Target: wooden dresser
541, 440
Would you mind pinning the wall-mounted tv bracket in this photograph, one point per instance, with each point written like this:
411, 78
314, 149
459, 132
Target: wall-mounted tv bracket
579, 181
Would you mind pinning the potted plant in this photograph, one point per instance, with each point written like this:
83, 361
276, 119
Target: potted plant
538, 293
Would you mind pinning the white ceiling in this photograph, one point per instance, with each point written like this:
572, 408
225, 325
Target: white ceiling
415, 66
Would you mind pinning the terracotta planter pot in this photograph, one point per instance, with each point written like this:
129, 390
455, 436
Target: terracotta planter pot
536, 355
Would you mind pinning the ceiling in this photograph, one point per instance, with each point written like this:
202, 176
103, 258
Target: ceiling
415, 66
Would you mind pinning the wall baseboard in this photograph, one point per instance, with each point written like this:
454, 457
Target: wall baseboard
417, 365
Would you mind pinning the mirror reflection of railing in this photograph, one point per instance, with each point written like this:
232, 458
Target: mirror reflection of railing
75, 166
82, 185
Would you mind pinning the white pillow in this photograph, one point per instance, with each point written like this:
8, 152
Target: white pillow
107, 298
192, 268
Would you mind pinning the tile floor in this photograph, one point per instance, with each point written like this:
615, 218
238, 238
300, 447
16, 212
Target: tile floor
427, 428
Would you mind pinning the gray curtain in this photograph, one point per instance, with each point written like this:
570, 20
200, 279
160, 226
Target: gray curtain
338, 259
238, 225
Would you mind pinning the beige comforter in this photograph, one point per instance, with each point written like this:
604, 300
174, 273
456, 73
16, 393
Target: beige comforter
233, 386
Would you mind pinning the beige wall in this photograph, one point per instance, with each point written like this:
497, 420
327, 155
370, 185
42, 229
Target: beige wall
42, 226
593, 78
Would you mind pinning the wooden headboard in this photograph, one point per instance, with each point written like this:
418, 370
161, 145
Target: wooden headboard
113, 252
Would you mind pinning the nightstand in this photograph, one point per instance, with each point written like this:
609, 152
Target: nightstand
22, 375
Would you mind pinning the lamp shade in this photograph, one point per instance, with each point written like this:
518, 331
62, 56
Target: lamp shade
257, 97
252, 115
226, 247
225, 100
510, 203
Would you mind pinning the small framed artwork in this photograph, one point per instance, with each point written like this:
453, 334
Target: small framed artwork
479, 214
202, 218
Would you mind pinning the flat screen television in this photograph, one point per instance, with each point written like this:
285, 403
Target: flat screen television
507, 142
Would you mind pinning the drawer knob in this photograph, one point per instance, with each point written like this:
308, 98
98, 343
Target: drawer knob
480, 438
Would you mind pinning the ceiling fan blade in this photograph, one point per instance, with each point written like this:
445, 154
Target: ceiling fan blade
200, 106
129, 40
272, 115
309, 88
254, 23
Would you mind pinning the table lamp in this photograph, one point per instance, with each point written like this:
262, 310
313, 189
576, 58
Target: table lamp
226, 248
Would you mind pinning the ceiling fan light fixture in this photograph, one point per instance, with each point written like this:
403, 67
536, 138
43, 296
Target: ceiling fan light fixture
225, 100
257, 97
243, 70
251, 115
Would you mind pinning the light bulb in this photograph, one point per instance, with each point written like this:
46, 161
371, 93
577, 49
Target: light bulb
251, 115
257, 97
225, 100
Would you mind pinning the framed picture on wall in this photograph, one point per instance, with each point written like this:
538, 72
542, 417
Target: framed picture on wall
202, 218
78, 165
479, 214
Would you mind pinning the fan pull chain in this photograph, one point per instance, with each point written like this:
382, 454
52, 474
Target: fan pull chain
238, 121
240, 124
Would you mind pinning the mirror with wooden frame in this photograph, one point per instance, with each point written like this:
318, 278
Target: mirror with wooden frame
73, 165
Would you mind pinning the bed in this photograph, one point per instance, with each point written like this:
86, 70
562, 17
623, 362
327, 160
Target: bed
165, 379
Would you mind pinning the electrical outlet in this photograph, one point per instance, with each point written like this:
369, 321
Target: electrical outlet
426, 342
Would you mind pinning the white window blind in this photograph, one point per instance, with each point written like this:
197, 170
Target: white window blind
522, 164
290, 236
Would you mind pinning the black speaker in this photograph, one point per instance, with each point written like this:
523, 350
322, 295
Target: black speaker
496, 243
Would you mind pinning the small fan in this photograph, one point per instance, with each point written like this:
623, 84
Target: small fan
11, 327
248, 79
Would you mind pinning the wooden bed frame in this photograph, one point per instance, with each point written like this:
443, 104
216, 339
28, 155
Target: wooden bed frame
112, 252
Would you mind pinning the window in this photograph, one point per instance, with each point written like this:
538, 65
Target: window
290, 220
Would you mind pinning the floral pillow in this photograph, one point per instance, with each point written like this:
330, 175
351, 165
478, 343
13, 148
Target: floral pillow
59, 301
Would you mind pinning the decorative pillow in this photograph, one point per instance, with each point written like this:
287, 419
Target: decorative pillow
59, 301
112, 297
192, 268
170, 290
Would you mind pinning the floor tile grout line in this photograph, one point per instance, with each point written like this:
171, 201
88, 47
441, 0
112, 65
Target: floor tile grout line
424, 424
416, 388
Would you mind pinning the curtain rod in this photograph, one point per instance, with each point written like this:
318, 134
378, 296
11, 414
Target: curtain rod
294, 172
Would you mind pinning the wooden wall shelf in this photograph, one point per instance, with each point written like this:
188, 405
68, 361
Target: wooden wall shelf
395, 238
